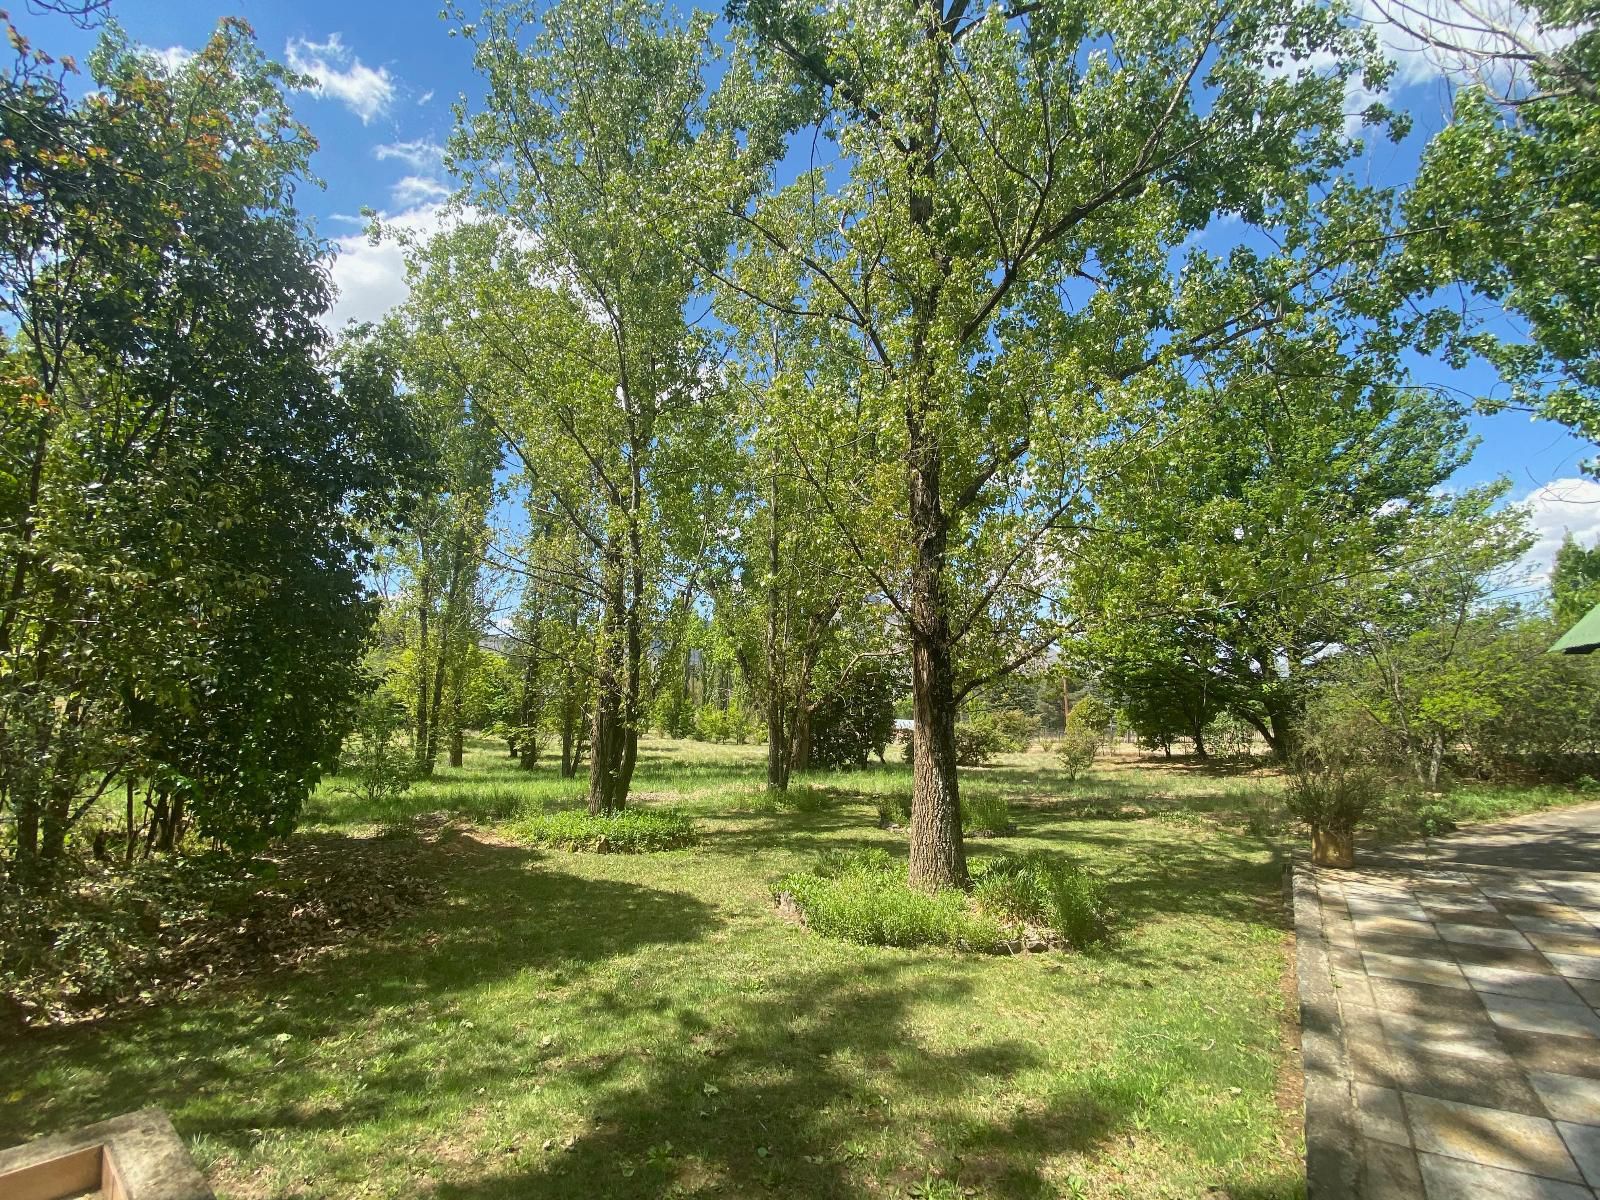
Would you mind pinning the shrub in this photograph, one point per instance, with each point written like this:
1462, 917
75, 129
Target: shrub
856, 719
985, 813
379, 764
864, 897
1076, 749
1090, 713
631, 831
894, 808
1041, 889
730, 724
1333, 797
976, 743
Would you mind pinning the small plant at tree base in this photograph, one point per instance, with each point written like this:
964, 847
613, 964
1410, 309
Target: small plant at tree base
1076, 749
1044, 890
1333, 799
380, 765
985, 813
631, 831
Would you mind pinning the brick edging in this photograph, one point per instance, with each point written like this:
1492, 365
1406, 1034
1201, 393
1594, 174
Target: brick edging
1333, 1170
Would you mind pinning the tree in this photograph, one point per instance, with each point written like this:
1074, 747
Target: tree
601, 118
993, 264
190, 476
1574, 582
1236, 555
1506, 200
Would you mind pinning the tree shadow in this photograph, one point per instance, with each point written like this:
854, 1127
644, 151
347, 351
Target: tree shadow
499, 917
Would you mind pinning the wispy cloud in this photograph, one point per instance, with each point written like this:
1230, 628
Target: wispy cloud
419, 155
172, 58
416, 189
340, 74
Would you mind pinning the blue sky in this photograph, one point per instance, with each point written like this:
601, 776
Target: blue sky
390, 75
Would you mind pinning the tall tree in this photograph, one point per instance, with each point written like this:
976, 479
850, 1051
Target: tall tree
600, 118
1001, 245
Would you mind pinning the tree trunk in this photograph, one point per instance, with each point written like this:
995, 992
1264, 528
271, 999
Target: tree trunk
608, 743
420, 734
457, 747
938, 858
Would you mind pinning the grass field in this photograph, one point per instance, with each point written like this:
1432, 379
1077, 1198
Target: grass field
577, 1025
608, 1025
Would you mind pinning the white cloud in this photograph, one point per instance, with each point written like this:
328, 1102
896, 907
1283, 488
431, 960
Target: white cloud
372, 279
1560, 507
366, 92
416, 189
425, 97
172, 58
419, 155
1430, 39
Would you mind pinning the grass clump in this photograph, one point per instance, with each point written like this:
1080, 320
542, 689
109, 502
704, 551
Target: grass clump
1042, 890
982, 812
864, 897
631, 831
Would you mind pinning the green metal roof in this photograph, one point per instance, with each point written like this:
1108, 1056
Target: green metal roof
1582, 638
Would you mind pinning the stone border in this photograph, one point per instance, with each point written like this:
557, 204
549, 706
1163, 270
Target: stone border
1333, 1167
138, 1156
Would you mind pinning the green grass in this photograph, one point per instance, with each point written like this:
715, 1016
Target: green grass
632, 831
578, 1025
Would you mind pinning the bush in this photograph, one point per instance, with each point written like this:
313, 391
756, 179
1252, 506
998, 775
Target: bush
1333, 796
864, 897
730, 724
856, 719
631, 831
894, 808
1076, 749
1040, 889
379, 762
1090, 713
976, 743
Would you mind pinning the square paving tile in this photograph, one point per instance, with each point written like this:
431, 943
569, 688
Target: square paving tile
1567, 943
1456, 914
1381, 1115
1491, 1081
1528, 984
1401, 995
1367, 926
1568, 1097
1552, 1052
1500, 956
1581, 966
1482, 935
1490, 1137
1453, 1179
1536, 1016
1584, 1143
1417, 970
1389, 1172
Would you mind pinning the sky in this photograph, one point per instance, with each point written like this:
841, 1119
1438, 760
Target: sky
390, 75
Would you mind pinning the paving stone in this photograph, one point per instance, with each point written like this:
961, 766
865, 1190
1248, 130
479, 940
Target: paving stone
1456, 914
1589, 989
1468, 1037
1568, 1097
1567, 943
1529, 984
1354, 989
1492, 1081
1579, 966
1584, 1143
1569, 926
1489, 1136
1381, 1115
1389, 1172
1552, 1052
1401, 995
1453, 1179
1417, 970
1367, 926
1410, 947
1536, 1016
1482, 935
1553, 909
1500, 956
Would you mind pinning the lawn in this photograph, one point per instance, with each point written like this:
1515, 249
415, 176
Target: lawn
645, 1025
579, 1025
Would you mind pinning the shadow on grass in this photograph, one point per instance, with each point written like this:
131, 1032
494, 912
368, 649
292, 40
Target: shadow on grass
771, 1103
499, 918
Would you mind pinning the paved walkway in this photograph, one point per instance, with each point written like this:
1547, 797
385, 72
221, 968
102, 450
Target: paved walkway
1452, 1016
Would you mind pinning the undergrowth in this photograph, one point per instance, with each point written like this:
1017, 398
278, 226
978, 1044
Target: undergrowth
631, 831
